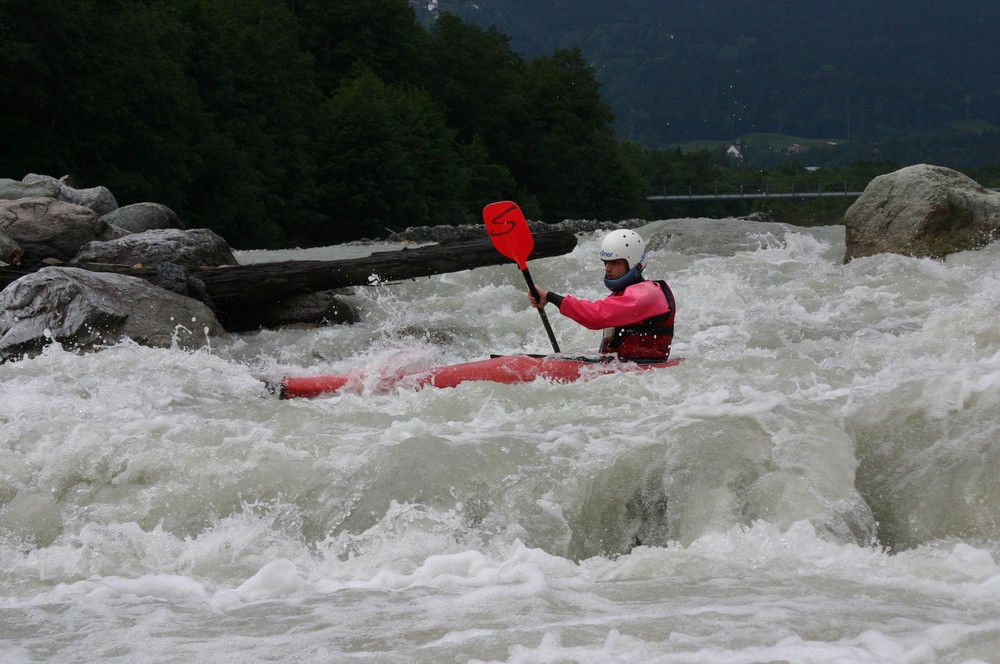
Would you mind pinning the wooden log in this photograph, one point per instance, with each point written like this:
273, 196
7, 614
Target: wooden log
235, 289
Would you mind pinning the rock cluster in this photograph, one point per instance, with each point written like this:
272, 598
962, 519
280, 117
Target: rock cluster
51, 227
468, 231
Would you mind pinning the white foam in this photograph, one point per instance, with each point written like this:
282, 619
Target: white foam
720, 510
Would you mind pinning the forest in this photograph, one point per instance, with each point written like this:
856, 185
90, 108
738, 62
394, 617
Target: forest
280, 123
850, 70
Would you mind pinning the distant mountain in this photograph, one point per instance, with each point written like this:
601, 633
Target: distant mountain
678, 71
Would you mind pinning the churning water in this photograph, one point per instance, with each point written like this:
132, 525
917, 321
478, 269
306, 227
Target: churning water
818, 482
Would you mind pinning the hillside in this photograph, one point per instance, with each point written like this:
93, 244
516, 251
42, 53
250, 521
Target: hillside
677, 72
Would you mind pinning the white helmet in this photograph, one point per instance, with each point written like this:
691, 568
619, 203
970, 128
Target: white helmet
627, 245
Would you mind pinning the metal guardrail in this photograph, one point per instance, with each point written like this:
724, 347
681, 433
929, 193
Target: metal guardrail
742, 195
766, 194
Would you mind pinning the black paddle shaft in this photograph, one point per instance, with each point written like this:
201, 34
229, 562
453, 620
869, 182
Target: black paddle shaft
545, 319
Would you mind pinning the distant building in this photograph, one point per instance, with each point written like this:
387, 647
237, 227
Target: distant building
430, 6
735, 151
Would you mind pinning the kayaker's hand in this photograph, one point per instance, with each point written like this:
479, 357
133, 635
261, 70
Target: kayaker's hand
542, 298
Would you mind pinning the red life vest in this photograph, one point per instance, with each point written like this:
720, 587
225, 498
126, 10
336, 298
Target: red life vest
646, 341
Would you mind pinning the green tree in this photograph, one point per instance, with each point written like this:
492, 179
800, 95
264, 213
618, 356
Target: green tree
389, 161
479, 82
382, 35
257, 182
98, 91
574, 164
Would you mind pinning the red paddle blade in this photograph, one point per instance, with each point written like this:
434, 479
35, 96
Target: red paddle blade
509, 231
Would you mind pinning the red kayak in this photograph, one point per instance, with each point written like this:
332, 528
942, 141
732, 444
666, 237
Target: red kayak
507, 369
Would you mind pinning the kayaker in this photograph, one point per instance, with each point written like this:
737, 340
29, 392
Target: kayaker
638, 316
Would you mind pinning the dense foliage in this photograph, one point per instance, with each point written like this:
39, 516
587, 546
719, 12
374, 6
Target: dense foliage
309, 122
304, 121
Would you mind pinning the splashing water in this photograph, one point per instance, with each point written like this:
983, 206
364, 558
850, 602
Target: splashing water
815, 483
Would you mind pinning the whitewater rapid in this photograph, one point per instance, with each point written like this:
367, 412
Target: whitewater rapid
816, 482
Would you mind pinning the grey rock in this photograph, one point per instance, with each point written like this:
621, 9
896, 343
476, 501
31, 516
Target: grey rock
323, 307
12, 189
198, 246
98, 199
178, 279
140, 217
922, 210
49, 228
85, 310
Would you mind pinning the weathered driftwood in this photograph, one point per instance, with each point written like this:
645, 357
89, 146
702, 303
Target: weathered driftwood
237, 290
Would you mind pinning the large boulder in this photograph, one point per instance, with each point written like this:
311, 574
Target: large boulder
12, 189
49, 228
921, 210
98, 199
84, 310
140, 217
195, 247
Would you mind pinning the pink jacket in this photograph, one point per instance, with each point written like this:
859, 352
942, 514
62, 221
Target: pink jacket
636, 303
